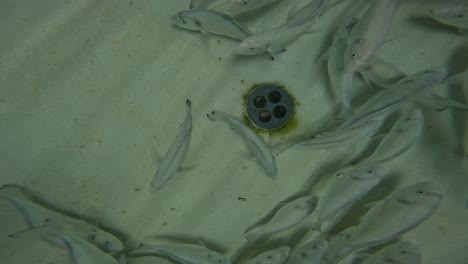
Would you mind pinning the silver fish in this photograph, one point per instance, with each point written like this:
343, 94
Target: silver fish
338, 138
237, 7
35, 214
85, 253
399, 253
369, 33
273, 41
176, 153
311, 252
286, 217
345, 189
255, 143
339, 79
388, 100
207, 21
183, 253
388, 219
274, 256
455, 15
403, 134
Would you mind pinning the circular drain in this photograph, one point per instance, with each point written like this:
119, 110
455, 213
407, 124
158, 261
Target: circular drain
269, 106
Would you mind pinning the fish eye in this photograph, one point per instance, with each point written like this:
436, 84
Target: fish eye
245, 2
369, 171
460, 16
403, 252
420, 192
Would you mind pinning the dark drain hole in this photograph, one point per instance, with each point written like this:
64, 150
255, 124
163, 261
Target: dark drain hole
260, 101
264, 116
274, 97
279, 111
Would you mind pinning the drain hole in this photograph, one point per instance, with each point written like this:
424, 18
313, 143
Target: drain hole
274, 97
260, 101
279, 111
264, 116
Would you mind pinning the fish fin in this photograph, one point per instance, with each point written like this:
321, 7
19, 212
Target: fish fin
201, 243
456, 78
252, 237
369, 205
324, 56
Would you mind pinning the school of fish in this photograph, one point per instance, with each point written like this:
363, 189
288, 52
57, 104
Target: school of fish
352, 51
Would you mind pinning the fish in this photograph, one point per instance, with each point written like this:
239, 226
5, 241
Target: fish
236, 7
311, 252
345, 189
183, 253
368, 34
35, 214
256, 144
273, 40
401, 137
455, 15
337, 138
83, 252
208, 21
403, 252
176, 153
393, 216
287, 216
273, 256
339, 79
396, 95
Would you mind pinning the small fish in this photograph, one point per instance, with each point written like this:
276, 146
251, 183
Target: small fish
238, 7
339, 79
289, 215
207, 21
399, 253
311, 252
388, 219
368, 34
81, 250
347, 188
176, 153
183, 253
388, 100
274, 256
338, 138
35, 214
403, 134
85, 253
455, 15
255, 143
273, 41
